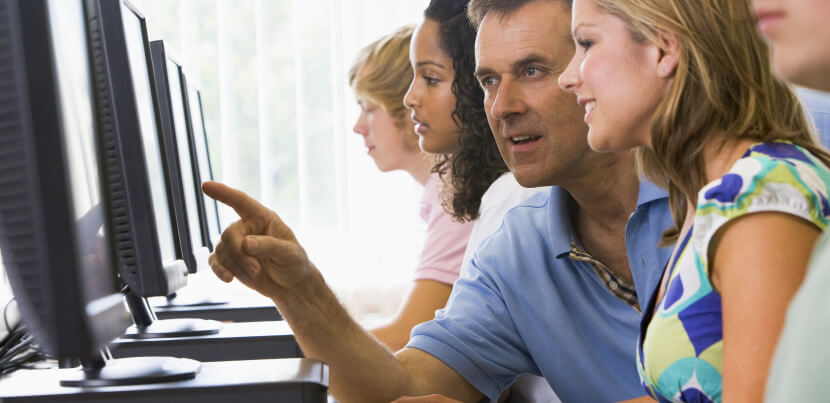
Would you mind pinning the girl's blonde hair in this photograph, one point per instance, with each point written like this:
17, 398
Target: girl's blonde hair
722, 84
381, 73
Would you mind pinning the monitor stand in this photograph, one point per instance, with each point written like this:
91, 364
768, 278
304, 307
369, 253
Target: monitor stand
148, 326
236, 341
204, 298
189, 298
238, 309
188, 339
103, 370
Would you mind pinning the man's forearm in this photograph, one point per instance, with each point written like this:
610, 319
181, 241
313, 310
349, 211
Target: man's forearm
361, 369
263, 253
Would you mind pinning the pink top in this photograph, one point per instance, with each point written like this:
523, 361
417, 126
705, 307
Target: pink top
445, 241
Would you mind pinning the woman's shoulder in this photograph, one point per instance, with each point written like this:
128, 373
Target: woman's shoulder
769, 174
774, 176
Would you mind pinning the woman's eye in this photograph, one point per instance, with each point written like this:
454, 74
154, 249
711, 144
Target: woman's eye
431, 80
584, 43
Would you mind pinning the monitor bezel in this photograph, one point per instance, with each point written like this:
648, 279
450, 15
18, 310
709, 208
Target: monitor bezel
197, 174
158, 55
212, 237
141, 265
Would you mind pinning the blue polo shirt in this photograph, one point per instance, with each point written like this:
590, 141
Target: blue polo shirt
528, 308
817, 108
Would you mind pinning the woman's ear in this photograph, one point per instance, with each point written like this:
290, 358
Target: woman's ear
669, 54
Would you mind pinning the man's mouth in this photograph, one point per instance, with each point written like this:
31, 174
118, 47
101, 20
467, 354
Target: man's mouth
523, 139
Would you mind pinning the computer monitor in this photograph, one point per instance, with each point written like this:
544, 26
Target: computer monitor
207, 243
202, 153
171, 102
55, 227
149, 262
151, 251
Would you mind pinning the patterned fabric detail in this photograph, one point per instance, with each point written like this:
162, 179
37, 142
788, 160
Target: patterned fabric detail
680, 351
621, 288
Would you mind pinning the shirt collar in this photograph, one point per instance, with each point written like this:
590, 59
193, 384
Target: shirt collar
561, 229
650, 192
562, 207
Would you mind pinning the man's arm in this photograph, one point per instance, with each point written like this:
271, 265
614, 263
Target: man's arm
262, 252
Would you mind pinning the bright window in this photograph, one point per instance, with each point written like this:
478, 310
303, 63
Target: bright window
279, 113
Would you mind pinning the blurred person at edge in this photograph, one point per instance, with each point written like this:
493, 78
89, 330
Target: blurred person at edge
799, 36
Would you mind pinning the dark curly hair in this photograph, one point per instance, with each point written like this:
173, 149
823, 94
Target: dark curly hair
478, 163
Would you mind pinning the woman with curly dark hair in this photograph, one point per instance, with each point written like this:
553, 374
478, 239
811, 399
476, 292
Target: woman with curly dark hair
473, 162
447, 107
380, 76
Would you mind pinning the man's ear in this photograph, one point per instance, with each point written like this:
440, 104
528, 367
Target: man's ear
669, 54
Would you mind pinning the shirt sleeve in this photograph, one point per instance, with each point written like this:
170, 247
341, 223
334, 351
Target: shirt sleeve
503, 194
445, 241
795, 184
475, 334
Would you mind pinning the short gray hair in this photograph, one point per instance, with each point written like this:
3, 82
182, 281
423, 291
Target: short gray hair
478, 9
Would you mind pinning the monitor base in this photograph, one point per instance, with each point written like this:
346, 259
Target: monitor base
167, 328
238, 309
134, 371
236, 341
185, 298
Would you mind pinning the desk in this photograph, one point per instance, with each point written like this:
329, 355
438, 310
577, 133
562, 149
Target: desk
237, 309
299, 380
235, 341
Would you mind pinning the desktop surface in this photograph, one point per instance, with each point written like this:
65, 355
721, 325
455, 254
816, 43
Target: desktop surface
236, 309
270, 380
235, 341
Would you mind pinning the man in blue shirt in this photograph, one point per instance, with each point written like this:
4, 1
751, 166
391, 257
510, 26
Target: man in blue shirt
532, 305
556, 291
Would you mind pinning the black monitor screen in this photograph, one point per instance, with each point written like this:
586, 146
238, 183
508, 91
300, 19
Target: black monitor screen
75, 91
139, 69
203, 159
185, 165
54, 217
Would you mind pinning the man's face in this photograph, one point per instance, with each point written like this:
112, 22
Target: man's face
538, 127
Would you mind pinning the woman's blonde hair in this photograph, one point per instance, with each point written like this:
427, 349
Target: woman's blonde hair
722, 84
381, 73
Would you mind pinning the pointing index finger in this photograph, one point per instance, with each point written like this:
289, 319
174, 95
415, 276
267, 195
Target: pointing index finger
243, 204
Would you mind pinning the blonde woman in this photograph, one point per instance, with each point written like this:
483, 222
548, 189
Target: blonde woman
380, 77
689, 83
